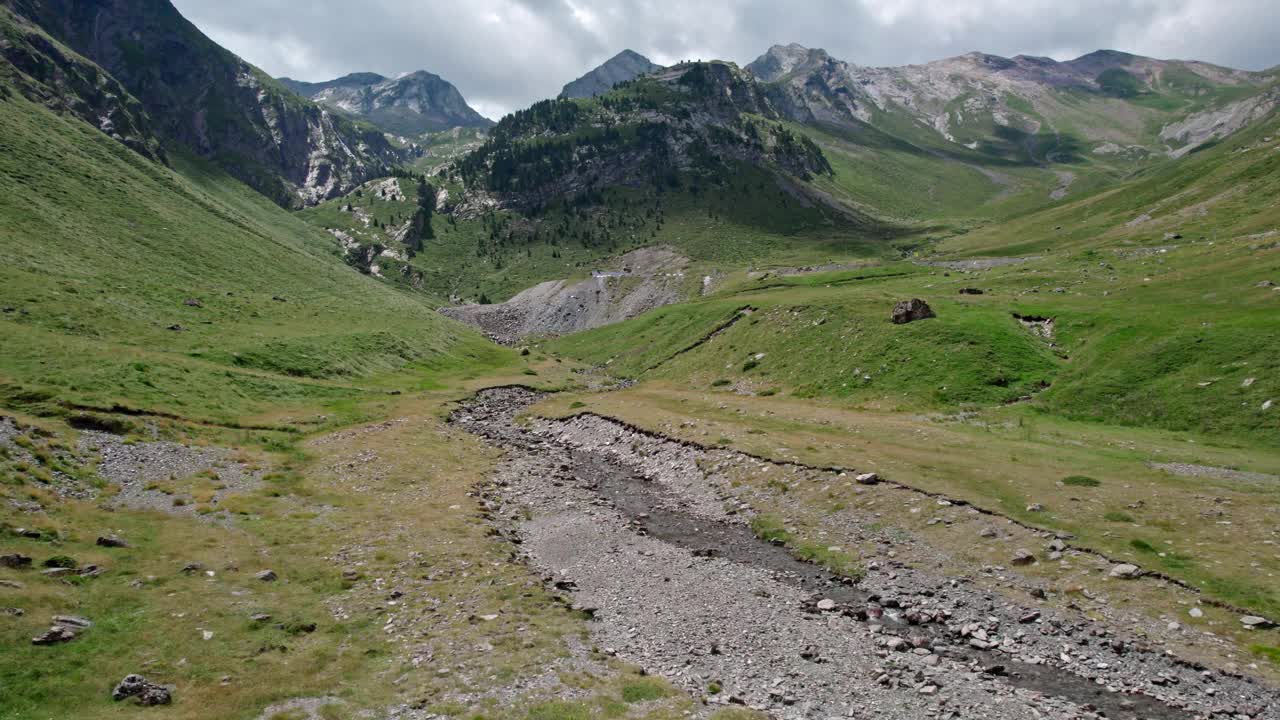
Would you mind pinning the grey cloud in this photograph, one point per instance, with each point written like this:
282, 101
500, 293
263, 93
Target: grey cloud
504, 54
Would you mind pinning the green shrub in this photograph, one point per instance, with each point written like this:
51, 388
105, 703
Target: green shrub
1080, 481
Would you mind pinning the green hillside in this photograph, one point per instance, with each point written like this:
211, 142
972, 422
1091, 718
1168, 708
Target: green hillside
1167, 323
181, 291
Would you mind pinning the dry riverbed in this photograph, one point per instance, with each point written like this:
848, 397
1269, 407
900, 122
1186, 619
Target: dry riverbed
653, 538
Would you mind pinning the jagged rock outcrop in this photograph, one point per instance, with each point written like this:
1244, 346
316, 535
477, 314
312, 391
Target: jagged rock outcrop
626, 65
409, 105
46, 71
204, 97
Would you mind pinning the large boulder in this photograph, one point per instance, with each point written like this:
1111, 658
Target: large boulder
910, 310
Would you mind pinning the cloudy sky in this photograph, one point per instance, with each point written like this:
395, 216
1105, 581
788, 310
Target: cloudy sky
505, 54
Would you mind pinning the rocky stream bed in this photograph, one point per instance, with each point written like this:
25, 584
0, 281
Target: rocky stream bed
650, 539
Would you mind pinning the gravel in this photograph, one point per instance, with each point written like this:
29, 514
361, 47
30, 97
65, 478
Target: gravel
902, 643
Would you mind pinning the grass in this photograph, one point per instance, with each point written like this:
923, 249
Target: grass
101, 249
1081, 481
771, 528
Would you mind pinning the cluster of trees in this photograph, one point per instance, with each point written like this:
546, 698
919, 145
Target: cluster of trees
420, 230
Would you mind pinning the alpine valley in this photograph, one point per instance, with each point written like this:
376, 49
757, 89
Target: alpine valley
795, 389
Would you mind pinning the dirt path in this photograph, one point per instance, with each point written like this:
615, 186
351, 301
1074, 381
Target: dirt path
651, 539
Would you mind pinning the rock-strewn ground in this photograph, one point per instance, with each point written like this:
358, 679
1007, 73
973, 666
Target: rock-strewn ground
651, 537
645, 279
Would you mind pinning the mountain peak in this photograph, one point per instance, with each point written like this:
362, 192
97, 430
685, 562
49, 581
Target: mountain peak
781, 60
409, 104
626, 65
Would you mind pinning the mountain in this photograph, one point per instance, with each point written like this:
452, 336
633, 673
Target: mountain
204, 98
1028, 110
690, 117
408, 105
626, 65
46, 72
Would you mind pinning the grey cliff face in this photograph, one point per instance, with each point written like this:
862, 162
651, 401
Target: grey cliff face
408, 105
206, 98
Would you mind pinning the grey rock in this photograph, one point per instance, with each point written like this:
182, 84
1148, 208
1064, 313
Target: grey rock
112, 541
266, 576
1023, 557
15, 561
911, 310
56, 635
1126, 571
867, 479
143, 690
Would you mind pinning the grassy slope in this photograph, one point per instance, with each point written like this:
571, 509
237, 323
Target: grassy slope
1226, 190
1164, 339
100, 249
740, 219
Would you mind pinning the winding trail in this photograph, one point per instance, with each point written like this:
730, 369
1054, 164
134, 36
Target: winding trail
650, 539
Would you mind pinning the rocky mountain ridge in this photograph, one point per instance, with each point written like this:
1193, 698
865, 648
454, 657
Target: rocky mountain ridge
626, 65
693, 117
409, 105
994, 105
203, 97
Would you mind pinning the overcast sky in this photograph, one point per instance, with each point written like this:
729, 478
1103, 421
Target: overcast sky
505, 54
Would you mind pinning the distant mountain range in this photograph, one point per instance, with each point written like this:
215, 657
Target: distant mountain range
1027, 109
626, 65
409, 105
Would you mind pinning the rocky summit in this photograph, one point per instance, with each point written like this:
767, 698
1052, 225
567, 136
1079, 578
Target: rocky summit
408, 105
626, 65
800, 389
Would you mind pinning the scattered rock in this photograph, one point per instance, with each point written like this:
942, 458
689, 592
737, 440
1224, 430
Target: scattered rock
176, 327
867, 479
911, 310
1126, 571
988, 532
1254, 622
1035, 507
112, 541
826, 604
1023, 557
970, 291
146, 692
55, 635
266, 576
192, 302
1195, 612
192, 568
15, 561
12, 611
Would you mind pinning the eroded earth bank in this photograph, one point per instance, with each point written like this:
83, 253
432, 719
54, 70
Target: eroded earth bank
654, 539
